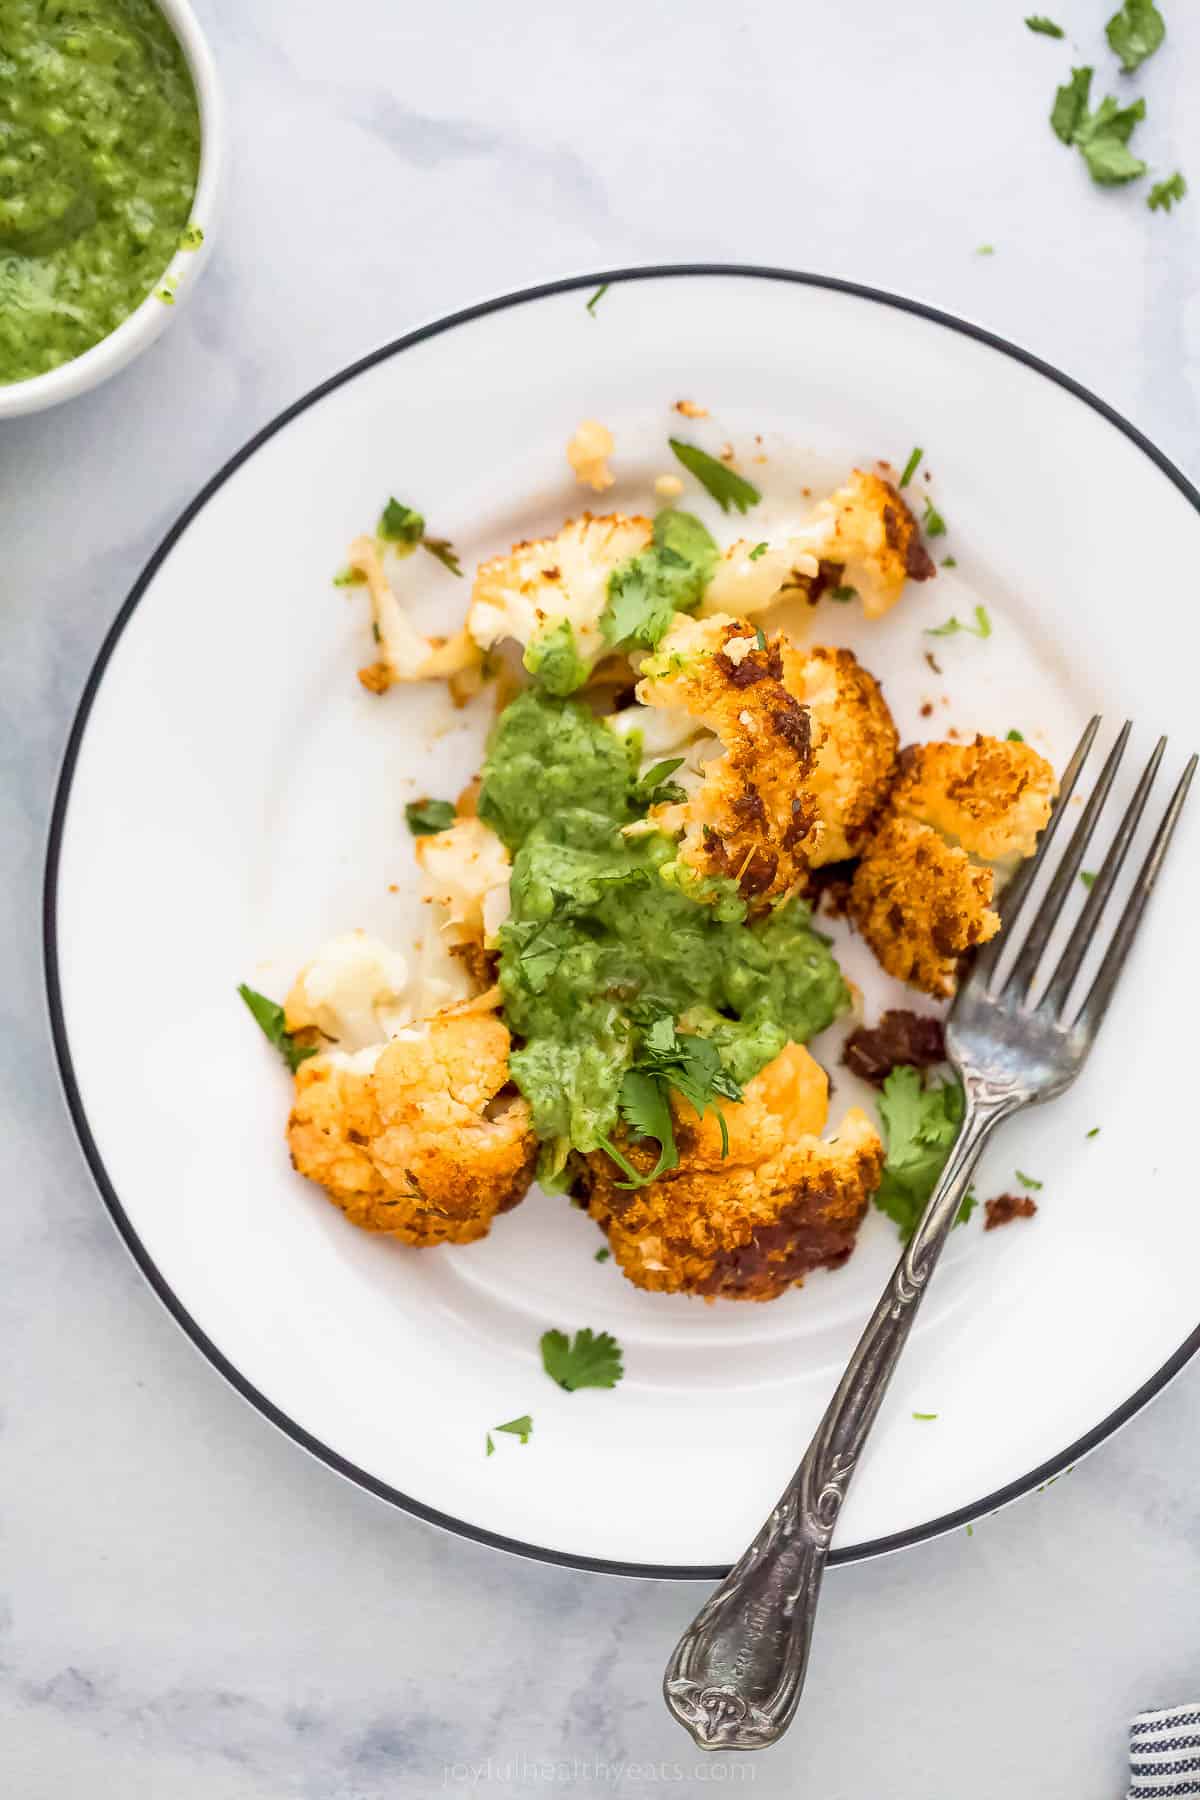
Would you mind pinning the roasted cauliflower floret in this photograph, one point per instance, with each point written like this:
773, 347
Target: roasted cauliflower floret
424, 1138
749, 816
855, 744
921, 903
355, 993
404, 655
467, 871
991, 797
751, 1224
862, 536
549, 596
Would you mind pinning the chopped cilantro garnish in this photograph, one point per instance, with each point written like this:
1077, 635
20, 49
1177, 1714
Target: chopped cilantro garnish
1164, 194
1094, 1132
590, 1359
1134, 32
602, 1255
425, 817
761, 549
191, 237
924, 1415
670, 1059
656, 788
1088, 878
760, 637
400, 524
932, 520
491, 1448
1027, 1181
920, 1125
949, 562
444, 550
982, 627
727, 488
596, 298
1015, 737
911, 466
349, 577
645, 593
843, 594
273, 1025
970, 1531
986, 250
520, 1428
1047, 27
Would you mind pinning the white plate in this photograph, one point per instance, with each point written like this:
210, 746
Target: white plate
231, 796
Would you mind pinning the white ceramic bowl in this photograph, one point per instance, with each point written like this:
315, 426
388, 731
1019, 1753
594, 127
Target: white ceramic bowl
153, 316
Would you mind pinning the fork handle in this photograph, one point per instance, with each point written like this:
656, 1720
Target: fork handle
735, 1678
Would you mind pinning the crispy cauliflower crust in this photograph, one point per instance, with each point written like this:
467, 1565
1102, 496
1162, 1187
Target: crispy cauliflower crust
751, 1225
921, 903
751, 818
856, 743
540, 585
424, 1140
863, 536
991, 797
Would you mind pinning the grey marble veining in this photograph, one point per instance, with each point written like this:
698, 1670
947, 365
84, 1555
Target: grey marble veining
189, 1607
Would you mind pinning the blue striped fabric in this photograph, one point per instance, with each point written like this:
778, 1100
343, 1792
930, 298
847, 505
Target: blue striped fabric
1164, 1755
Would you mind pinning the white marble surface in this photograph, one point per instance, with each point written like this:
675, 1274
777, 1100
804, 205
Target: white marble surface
188, 1605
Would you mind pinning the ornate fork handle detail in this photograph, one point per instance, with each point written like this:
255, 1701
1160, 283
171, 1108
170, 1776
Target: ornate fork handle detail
736, 1674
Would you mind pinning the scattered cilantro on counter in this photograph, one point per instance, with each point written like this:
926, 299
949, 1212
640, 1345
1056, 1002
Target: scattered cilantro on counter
727, 488
426, 817
1038, 22
272, 1023
590, 1359
1101, 137
1164, 194
1134, 32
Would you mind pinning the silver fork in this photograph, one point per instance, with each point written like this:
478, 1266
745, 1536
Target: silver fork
736, 1675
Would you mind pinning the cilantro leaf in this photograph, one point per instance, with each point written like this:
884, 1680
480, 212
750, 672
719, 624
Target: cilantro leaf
1027, 1181
272, 1023
1164, 194
985, 250
920, 1125
491, 1448
1014, 737
1110, 163
645, 593
843, 594
1094, 1132
590, 1359
1088, 879
654, 788
445, 553
949, 562
727, 488
602, 1255
426, 817
911, 466
1071, 105
930, 1415
758, 550
521, 1428
400, 524
1047, 27
1134, 32
670, 1059
982, 627
597, 297
932, 520
554, 662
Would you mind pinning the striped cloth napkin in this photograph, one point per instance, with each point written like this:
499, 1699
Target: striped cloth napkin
1164, 1754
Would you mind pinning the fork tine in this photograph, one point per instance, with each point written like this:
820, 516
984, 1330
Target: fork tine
1024, 970
1059, 987
1091, 1013
1013, 897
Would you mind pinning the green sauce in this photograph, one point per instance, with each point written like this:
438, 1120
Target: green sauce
598, 944
99, 152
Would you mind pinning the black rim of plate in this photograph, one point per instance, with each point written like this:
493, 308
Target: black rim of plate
853, 1553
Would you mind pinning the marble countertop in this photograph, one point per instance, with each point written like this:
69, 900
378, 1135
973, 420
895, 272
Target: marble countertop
188, 1605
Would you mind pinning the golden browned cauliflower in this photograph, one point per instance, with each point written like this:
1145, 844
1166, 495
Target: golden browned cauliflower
749, 815
863, 536
922, 895
855, 744
749, 1225
548, 596
992, 797
404, 655
423, 1138
921, 903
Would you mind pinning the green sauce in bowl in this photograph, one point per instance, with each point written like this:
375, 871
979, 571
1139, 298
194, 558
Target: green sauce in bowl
99, 153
